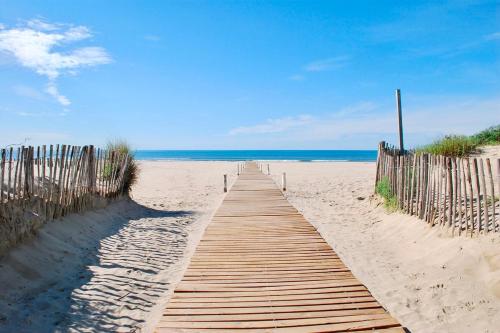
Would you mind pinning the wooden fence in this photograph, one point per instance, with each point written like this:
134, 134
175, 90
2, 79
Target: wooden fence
38, 184
460, 193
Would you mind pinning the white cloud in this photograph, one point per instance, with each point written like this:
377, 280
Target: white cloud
32, 46
273, 125
54, 92
327, 64
39, 24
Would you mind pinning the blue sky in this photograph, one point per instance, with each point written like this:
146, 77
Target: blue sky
246, 74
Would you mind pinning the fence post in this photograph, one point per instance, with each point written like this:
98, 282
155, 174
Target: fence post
225, 183
283, 181
400, 121
268, 172
3, 175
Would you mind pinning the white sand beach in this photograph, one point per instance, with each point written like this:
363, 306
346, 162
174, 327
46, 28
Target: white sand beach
114, 269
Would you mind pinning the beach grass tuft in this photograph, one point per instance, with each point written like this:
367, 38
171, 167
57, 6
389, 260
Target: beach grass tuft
383, 189
132, 172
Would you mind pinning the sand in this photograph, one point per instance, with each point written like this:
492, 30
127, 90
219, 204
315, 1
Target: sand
114, 269
491, 152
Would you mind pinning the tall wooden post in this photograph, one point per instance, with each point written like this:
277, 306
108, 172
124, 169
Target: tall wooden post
225, 183
268, 172
400, 120
283, 181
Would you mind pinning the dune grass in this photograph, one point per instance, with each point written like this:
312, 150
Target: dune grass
383, 189
490, 136
132, 172
462, 145
452, 146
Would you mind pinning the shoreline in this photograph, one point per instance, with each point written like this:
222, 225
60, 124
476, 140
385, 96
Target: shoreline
250, 160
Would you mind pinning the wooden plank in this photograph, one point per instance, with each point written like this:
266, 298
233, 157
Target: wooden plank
348, 321
271, 316
261, 266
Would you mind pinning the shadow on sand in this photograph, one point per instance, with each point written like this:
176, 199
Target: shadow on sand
129, 273
120, 276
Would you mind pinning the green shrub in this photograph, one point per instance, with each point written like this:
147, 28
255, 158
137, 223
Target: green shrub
383, 188
452, 146
132, 171
490, 136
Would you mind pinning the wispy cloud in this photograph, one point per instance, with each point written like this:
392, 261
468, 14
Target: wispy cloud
493, 36
296, 77
42, 114
327, 64
28, 92
54, 92
363, 124
356, 109
152, 38
274, 125
321, 65
32, 44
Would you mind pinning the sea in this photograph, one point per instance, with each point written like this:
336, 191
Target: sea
260, 155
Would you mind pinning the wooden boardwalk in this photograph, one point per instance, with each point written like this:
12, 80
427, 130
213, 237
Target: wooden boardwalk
261, 267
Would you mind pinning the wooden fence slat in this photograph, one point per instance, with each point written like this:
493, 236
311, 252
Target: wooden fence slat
471, 192
458, 177
492, 195
2, 167
20, 183
44, 160
464, 191
413, 180
477, 188
38, 171
454, 195
430, 205
9, 180
484, 196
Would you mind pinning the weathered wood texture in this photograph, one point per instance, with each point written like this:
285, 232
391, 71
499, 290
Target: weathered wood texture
38, 184
458, 193
261, 267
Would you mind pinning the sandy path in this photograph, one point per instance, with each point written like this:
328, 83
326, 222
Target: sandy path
113, 269
427, 280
